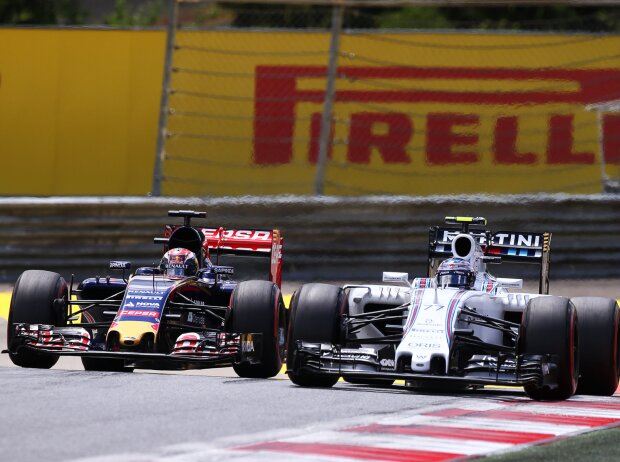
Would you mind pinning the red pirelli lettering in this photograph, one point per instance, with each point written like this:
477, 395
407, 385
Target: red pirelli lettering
277, 96
441, 139
392, 144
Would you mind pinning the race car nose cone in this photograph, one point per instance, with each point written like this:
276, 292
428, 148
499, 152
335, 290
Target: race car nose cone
131, 333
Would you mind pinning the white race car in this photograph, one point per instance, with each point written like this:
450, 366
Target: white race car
459, 326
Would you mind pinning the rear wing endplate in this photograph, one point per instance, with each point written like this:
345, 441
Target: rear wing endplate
511, 246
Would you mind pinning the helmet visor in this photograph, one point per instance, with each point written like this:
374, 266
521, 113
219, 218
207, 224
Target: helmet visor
175, 272
453, 279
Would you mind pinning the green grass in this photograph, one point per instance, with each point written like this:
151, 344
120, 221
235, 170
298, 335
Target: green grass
598, 446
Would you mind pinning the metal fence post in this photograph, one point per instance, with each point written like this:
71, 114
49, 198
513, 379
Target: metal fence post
330, 88
173, 12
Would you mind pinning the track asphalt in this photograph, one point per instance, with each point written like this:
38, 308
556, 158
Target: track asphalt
70, 414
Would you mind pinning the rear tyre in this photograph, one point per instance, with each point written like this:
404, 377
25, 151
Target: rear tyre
257, 307
32, 302
316, 310
598, 345
550, 326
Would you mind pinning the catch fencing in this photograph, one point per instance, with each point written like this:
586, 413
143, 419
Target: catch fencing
322, 97
325, 238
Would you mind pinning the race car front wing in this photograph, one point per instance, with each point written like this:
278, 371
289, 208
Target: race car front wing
366, 363
196, 350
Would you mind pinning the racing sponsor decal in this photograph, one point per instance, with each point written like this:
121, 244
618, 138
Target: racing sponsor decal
347, 356
145, 297
238, 234
416, 302
251, 240
139, 313
452, 310
147, 304
502, 238
424, 345
518, 239
133, 292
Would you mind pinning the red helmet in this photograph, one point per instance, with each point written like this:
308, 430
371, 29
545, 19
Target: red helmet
179, 263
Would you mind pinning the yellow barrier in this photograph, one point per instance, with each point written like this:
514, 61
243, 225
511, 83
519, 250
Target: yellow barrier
5, 302
415, 113
78, 110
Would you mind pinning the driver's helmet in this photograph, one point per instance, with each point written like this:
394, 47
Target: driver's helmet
455, 272
179, 263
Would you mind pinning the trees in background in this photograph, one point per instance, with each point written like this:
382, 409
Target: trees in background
127, 13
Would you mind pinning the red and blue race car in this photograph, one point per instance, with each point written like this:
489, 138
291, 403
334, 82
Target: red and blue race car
187, 312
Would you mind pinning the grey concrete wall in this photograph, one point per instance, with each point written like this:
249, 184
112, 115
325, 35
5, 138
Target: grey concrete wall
331, 238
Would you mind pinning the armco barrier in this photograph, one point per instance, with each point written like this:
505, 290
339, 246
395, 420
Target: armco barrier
325, 237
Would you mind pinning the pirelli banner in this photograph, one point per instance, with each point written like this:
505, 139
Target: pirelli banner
414, 113
78, 110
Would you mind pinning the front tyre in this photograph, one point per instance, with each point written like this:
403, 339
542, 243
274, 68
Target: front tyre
550, 326
257, 307
598, 345
32, 302
316, 311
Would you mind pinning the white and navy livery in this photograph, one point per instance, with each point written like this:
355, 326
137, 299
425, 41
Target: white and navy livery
439, 331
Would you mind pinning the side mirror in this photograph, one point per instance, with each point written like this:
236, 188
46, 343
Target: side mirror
229, 270
389, 276
510, 283
120, 266
491, 259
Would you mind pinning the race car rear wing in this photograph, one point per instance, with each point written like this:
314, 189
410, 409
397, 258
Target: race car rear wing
248, 242
218, 242
510, 246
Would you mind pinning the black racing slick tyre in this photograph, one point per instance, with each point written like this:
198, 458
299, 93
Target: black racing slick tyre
599, 361
550, 327
257, 307
316, 311
32, 302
